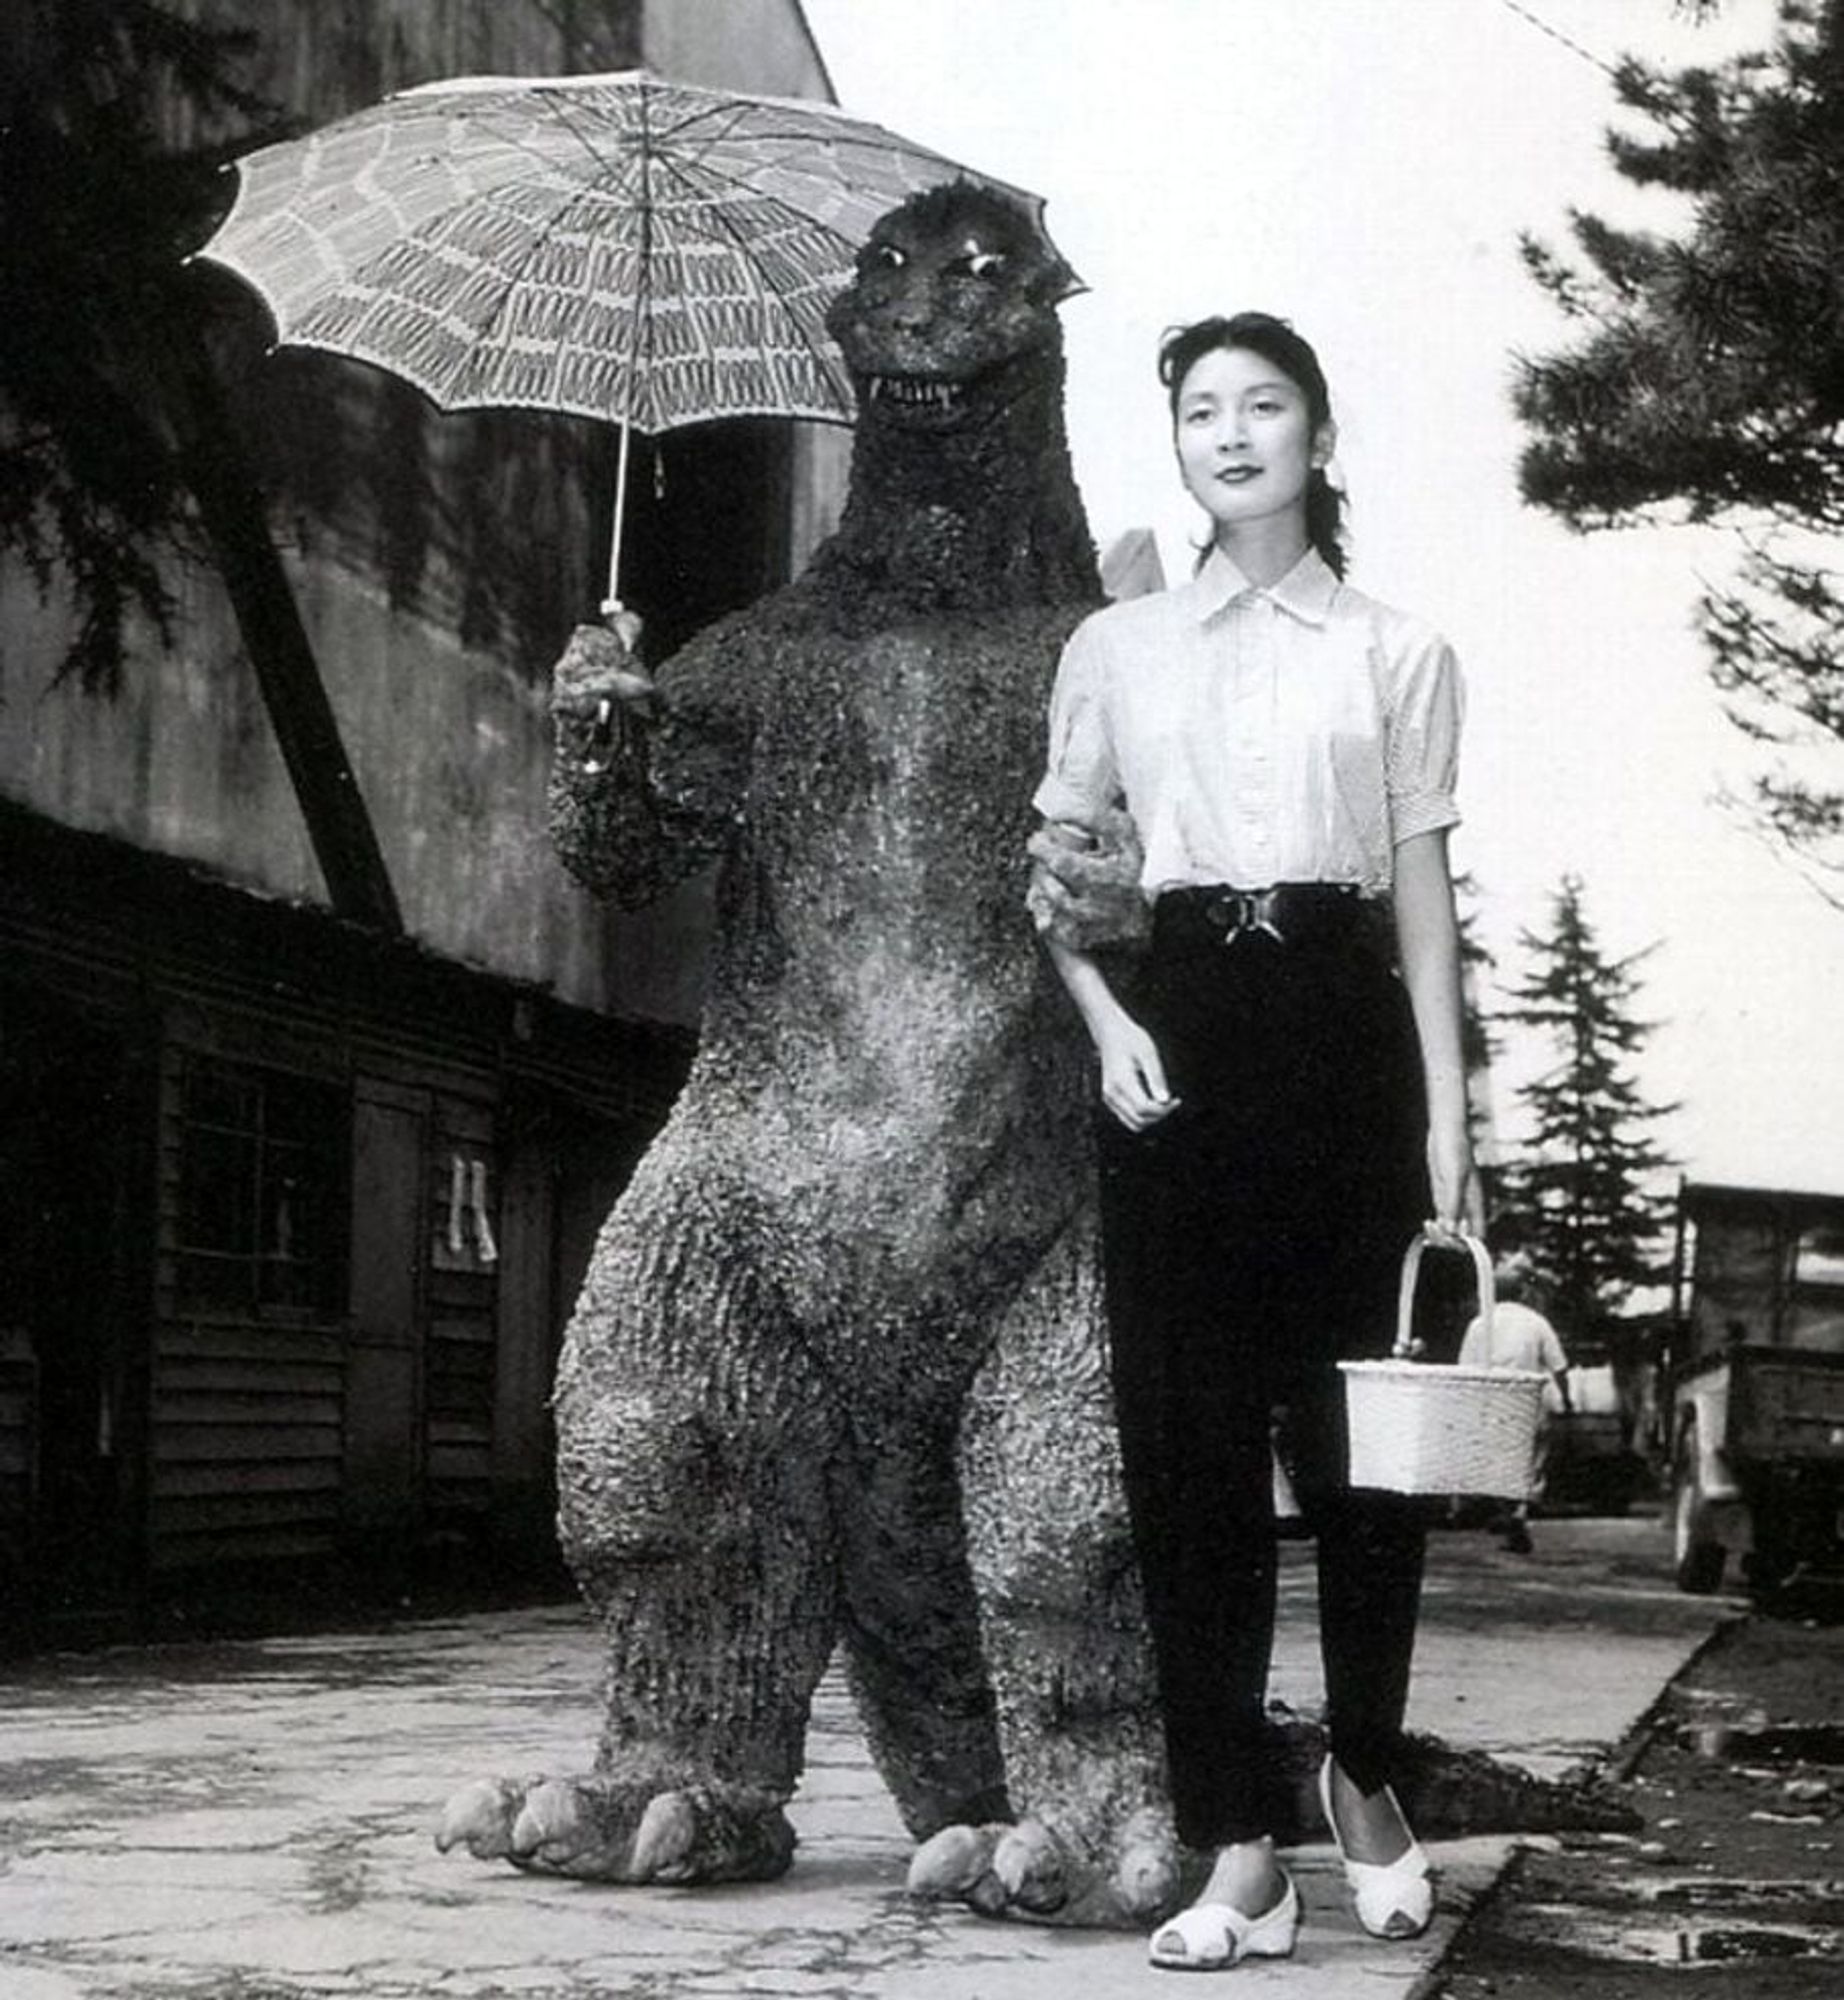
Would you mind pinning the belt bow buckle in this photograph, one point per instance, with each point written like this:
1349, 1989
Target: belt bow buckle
1252, 910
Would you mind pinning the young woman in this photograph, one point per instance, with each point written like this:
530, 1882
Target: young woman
1283, 1106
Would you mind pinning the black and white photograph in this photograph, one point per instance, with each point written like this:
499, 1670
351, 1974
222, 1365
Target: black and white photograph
921, 932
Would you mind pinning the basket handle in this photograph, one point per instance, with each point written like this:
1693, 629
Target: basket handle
1407, 1347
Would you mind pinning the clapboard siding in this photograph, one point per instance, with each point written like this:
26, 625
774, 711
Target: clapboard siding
228, 1443
392, 1410
187, 1522
215, 1548
458, 1380
245, 1458
215, 1481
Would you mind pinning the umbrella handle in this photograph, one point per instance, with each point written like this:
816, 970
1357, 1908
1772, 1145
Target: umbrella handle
611, 604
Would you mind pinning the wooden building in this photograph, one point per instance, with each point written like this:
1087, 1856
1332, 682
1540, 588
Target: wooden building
292, 1210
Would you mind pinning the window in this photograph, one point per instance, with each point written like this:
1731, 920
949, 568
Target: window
1815, 1318
1820, 1258
262, 1166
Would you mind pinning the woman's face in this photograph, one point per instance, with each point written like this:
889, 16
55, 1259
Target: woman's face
1245, 439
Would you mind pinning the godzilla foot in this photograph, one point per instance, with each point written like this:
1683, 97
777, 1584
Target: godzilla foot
609, 1830
1027, 1871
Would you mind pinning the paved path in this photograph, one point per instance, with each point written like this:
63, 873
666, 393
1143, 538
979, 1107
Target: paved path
252, 1821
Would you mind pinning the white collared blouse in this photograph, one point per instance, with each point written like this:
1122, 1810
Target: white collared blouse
1290, 734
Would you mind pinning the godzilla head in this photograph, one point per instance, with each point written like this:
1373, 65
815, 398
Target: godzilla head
954, 297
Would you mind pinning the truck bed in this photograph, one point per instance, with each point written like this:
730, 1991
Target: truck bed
1787, 1405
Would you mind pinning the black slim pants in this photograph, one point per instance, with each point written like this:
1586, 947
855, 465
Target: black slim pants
1250, 1241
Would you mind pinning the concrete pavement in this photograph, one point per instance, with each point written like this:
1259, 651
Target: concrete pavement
251, 1821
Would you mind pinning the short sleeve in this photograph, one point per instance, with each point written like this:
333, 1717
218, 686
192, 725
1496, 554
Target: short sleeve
1081, 777
1425, 707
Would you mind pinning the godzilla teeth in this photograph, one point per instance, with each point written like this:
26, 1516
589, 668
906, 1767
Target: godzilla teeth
914, 390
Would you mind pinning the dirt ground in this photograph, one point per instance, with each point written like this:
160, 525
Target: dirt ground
1738, 1875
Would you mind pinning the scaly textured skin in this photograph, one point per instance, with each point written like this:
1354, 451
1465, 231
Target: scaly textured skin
836, 1378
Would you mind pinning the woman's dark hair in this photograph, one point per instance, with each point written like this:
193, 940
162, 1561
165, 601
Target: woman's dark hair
1276, 342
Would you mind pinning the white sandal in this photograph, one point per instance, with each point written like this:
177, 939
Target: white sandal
1208, 1937
1394, 1899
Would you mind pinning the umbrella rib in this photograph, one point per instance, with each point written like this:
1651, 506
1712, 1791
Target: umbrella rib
514, 275
844, 132
784, 208
789, 211
585, 132
847, 132
751, 253
643, 263
644, 94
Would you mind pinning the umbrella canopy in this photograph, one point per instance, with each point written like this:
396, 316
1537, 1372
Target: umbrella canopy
617, 246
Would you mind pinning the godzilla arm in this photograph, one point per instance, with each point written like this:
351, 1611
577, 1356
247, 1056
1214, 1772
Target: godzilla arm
646, 782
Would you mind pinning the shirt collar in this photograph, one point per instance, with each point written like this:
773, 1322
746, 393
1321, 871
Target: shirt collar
1306, 591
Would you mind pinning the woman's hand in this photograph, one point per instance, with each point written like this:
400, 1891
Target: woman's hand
1453, 1179
1133, 1085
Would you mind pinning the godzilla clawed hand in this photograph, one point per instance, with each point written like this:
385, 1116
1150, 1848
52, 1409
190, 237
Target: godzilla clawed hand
604, 1830
1085, 888
600, 670
1026, 1871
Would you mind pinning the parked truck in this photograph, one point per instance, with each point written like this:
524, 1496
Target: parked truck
1751, 1405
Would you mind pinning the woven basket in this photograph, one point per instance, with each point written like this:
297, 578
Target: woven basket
1433, 1427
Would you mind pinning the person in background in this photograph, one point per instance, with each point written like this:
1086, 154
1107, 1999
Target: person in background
1520, 1336
1282, 1106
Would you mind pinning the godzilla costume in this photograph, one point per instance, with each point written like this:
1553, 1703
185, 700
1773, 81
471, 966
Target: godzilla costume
836, 1379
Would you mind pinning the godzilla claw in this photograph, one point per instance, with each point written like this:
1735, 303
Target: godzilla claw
950, 1865
1029, 1871
553, 1829
1029, 1866
1146, 1868
713, 1833
481, 1815
607, 1830
666, 1838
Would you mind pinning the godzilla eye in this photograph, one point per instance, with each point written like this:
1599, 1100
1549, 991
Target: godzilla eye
980, 263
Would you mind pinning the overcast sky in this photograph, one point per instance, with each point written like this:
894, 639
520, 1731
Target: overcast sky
1365, 170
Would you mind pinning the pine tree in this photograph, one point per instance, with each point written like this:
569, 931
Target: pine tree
1704, 382
96, 211
118, 448
1579, 1197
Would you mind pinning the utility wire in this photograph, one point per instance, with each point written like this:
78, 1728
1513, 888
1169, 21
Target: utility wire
1664, 114
1556, 35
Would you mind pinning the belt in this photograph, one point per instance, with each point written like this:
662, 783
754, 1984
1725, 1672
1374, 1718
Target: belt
1287, 913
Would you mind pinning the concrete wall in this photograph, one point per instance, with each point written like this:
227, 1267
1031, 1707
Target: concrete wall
764, 46
435, 597
449, 745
